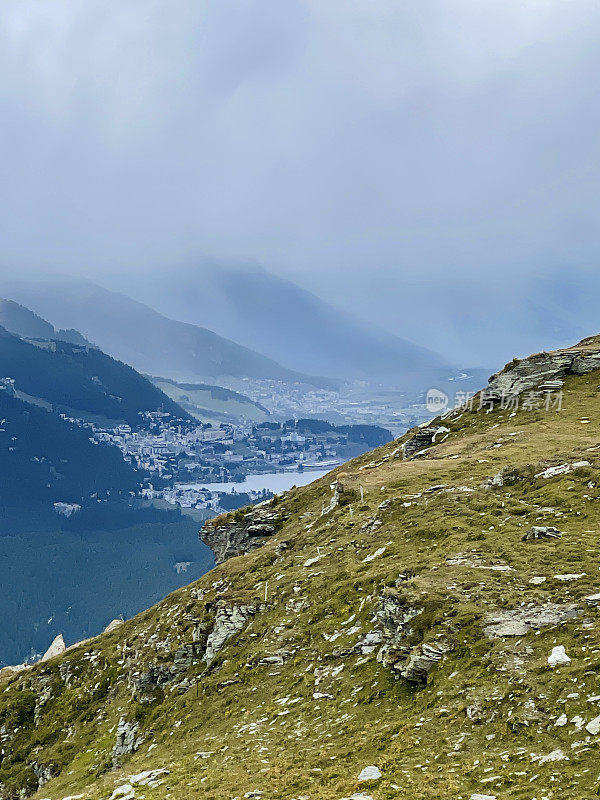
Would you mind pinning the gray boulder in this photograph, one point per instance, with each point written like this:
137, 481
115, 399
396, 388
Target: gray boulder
128, 740
541, 532
522, 620
423, 438
56, 648
229, 620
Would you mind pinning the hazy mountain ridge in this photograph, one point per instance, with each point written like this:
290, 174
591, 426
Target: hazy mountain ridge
288, 323
487, 318
149, 341
426, 602
22, 322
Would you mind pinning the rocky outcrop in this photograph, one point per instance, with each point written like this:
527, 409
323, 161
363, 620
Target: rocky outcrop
239, 533
42, 772
544, 371
160, 675
56, 648
128, 740
149, 777
229, 620
157, 675
336, 488
413, 663
561, 469
43, 695
421, 660
423, 438
538, 532
112, 626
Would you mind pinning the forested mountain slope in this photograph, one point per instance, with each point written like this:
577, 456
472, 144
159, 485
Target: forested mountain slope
80, 380
44, 460
22, 322
429, 610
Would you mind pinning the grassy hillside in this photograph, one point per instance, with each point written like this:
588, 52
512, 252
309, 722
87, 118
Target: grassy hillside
399, 621
79, 380
212, 404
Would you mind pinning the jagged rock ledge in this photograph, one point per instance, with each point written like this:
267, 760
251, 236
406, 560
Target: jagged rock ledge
542, 371
524, 374
236, 534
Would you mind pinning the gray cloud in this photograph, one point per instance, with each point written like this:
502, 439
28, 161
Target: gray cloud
349, 144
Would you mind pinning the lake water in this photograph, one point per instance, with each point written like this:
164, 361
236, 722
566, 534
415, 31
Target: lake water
271, 481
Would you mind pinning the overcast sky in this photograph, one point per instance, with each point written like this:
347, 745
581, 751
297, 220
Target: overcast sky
352, 145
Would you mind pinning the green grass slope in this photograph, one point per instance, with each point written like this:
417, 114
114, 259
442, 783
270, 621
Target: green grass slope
283, 671
213, 404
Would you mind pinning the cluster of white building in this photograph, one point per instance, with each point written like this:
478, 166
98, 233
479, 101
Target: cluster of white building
154, 450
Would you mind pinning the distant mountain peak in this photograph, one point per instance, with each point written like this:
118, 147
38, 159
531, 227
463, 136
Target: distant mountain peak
19, 320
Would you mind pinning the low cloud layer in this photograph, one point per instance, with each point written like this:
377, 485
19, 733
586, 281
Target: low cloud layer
360, 147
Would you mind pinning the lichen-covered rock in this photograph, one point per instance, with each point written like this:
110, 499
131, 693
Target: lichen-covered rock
157, 675
519, 621
413, 663
43, 772
44, 694
393, 618
129, 739
149, 777
334, 502
229, 620
422, 439
239, 533
368, 774
541, 532
65, 671
561, 469
184, 658
421, 660
542, 370
558, 656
